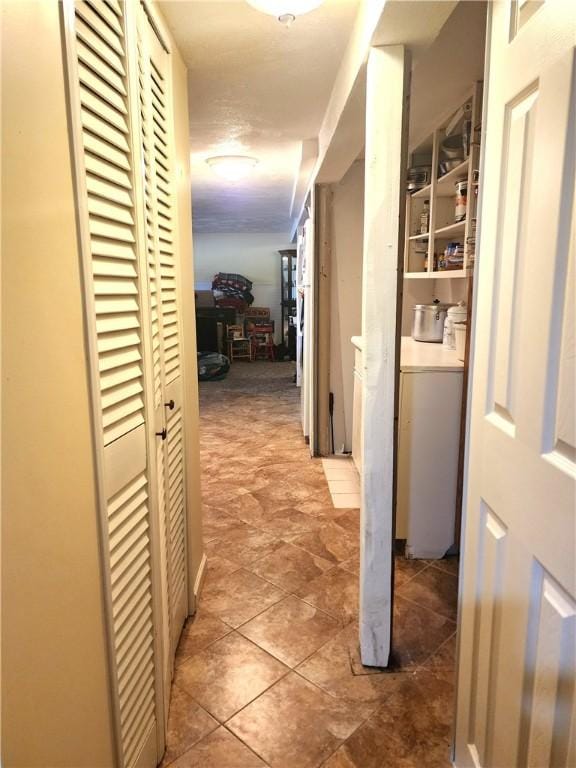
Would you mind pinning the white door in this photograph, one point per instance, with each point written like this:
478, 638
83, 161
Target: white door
164, 318
516, 697
105, 178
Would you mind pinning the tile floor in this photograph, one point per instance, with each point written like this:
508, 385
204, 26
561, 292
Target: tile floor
268, 671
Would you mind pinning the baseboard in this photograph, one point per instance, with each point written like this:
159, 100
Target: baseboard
198, 583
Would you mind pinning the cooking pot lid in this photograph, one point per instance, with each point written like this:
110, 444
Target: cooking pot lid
432, 307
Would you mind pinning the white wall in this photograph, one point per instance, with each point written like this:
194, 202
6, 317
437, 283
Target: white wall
55, 685
346, 296
254, 255
448, 69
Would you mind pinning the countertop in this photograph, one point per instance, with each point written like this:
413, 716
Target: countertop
422, 356
425, 356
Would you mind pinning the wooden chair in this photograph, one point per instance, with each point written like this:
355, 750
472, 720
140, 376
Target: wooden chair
239, 346
262, 338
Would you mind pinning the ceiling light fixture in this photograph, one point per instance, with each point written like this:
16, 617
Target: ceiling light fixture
232, 167
285, 10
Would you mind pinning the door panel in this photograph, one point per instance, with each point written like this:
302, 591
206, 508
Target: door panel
160, 224
516, 696
105, 176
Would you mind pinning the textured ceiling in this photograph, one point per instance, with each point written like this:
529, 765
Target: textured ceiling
255, 88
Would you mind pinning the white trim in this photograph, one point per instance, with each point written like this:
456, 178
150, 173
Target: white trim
199, 581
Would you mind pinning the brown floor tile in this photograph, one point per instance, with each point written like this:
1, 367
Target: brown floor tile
243, 505
187, 724
238, 597
331, 669
323, 497
405, 569
417, 633
294, 724
316, 507
335, 592
412, 729
284, 493
290, 568
330, 542
217, 525
443, 662
309, 473
345, 518
227, 675
243, 545
448, 564
288, 522
200, 631
352, 565
434, 589
291, 630
222, 496
217, 566
220, 749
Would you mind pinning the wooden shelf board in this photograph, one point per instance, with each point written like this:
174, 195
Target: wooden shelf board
420, 237
445, 275
450, 273
424, 192
451, 229
445, 184
416, 275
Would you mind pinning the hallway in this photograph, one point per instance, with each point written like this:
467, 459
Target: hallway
268, 671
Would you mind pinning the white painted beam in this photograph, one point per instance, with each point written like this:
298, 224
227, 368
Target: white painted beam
385, 169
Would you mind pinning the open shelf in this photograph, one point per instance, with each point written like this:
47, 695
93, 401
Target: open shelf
438, 201
424, 192
445, 184
452, 229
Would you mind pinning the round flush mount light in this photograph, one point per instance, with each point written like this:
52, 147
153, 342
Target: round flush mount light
232, 167
285, 10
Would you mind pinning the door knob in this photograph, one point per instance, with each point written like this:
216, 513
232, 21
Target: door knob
170, 404
162, 434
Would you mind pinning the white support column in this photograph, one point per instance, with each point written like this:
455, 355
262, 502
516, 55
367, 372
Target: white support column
386, 135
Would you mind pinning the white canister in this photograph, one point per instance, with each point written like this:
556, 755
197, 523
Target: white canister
460, 334
456, 314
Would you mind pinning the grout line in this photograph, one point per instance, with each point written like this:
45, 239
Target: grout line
430, 610
241, 740
433, 564
427, 659
400, 586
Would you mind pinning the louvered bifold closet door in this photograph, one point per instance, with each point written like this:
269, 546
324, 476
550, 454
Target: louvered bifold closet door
98, 65
158, 166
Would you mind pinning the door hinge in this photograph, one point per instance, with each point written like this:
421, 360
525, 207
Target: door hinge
162, 434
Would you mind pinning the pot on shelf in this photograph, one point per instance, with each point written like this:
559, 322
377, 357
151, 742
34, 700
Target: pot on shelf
428, 323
